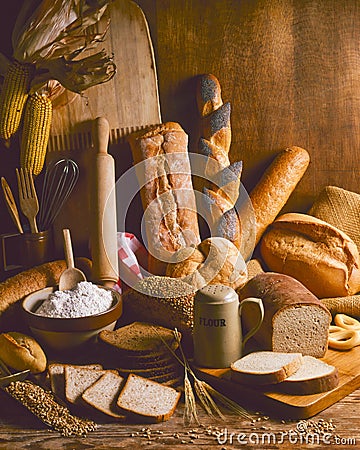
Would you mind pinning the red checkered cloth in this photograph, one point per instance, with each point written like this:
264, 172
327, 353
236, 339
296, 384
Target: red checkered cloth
132, 260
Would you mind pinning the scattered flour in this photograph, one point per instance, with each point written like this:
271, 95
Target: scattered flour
86, 299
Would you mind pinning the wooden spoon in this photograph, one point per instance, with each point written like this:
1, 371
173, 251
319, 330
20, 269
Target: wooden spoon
71, 276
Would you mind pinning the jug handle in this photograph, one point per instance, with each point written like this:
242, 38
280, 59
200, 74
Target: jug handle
260, 305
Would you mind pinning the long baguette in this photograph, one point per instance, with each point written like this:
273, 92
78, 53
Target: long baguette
276, 185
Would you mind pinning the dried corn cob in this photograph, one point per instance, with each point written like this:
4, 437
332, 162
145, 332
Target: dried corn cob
35, 132
13, 97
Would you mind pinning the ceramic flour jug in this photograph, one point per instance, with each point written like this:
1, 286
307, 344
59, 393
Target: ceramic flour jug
217, 334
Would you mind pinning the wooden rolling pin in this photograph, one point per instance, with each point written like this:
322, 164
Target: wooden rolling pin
103, 209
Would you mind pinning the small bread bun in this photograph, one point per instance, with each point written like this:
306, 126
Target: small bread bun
22, 352
214, 261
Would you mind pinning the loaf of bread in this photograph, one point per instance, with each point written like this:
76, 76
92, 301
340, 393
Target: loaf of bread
314, 252
214, 261
294, 321
164, 174
22, 352
163, 301
276, 185
17, 287
220, 181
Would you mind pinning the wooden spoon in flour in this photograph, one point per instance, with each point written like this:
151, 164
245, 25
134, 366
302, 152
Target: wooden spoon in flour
71, 276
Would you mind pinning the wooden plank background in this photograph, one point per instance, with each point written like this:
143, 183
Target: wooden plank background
290, 69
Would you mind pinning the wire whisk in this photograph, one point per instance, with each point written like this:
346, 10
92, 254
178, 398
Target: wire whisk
59, 181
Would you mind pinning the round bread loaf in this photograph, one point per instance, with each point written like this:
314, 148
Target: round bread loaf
319, 255
22, 352
214, 261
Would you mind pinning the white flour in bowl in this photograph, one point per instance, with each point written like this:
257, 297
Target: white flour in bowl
86, 299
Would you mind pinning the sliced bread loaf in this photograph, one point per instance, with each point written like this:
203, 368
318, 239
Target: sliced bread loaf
77, 380
294, 321
139, 338
313, 376
148, 400
263, 367
57, 377
102, 395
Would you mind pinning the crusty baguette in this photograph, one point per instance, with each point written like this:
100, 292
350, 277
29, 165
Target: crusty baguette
295, 320
17, 287
314, 252
164, 174
276, 185
220, 183
264, 367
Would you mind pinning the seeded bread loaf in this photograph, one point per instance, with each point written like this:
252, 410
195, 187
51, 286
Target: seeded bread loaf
163, 301
263, 367
294, 321
314, 252
163, 170
148, 400
312, 377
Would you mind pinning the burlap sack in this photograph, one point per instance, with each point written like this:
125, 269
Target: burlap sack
340, 208
343, 305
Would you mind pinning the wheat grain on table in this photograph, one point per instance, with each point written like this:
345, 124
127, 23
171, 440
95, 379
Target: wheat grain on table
338, 425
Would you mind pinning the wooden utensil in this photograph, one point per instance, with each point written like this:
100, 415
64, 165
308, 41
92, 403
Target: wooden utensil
11, 204
104, 253
71, 276
129, 101
27, 196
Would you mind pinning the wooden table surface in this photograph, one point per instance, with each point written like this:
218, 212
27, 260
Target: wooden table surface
20, 430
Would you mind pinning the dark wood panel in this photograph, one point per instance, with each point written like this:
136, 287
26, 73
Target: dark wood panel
289, 68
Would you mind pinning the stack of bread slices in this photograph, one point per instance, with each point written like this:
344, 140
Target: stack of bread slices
142, 384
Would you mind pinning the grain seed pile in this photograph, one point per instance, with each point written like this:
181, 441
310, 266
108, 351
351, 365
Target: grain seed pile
44, 406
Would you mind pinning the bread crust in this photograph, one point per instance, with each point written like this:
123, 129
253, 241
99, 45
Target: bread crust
166, 191
278, 293
276, 185
22, 352
316, 253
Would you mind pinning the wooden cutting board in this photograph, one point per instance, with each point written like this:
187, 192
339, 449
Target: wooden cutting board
277, 404
130, 101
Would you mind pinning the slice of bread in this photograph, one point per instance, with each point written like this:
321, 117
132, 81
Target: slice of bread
313, 376
102, 395
77, 380
57, 377
265, 367
148, 400
139, 338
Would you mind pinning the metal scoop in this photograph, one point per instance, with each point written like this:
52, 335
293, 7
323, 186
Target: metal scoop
6, 377
71, 276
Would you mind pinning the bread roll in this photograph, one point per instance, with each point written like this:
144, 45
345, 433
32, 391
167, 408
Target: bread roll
276, 185
166, 191
214, 261
314, 252
294, 320
22, 352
